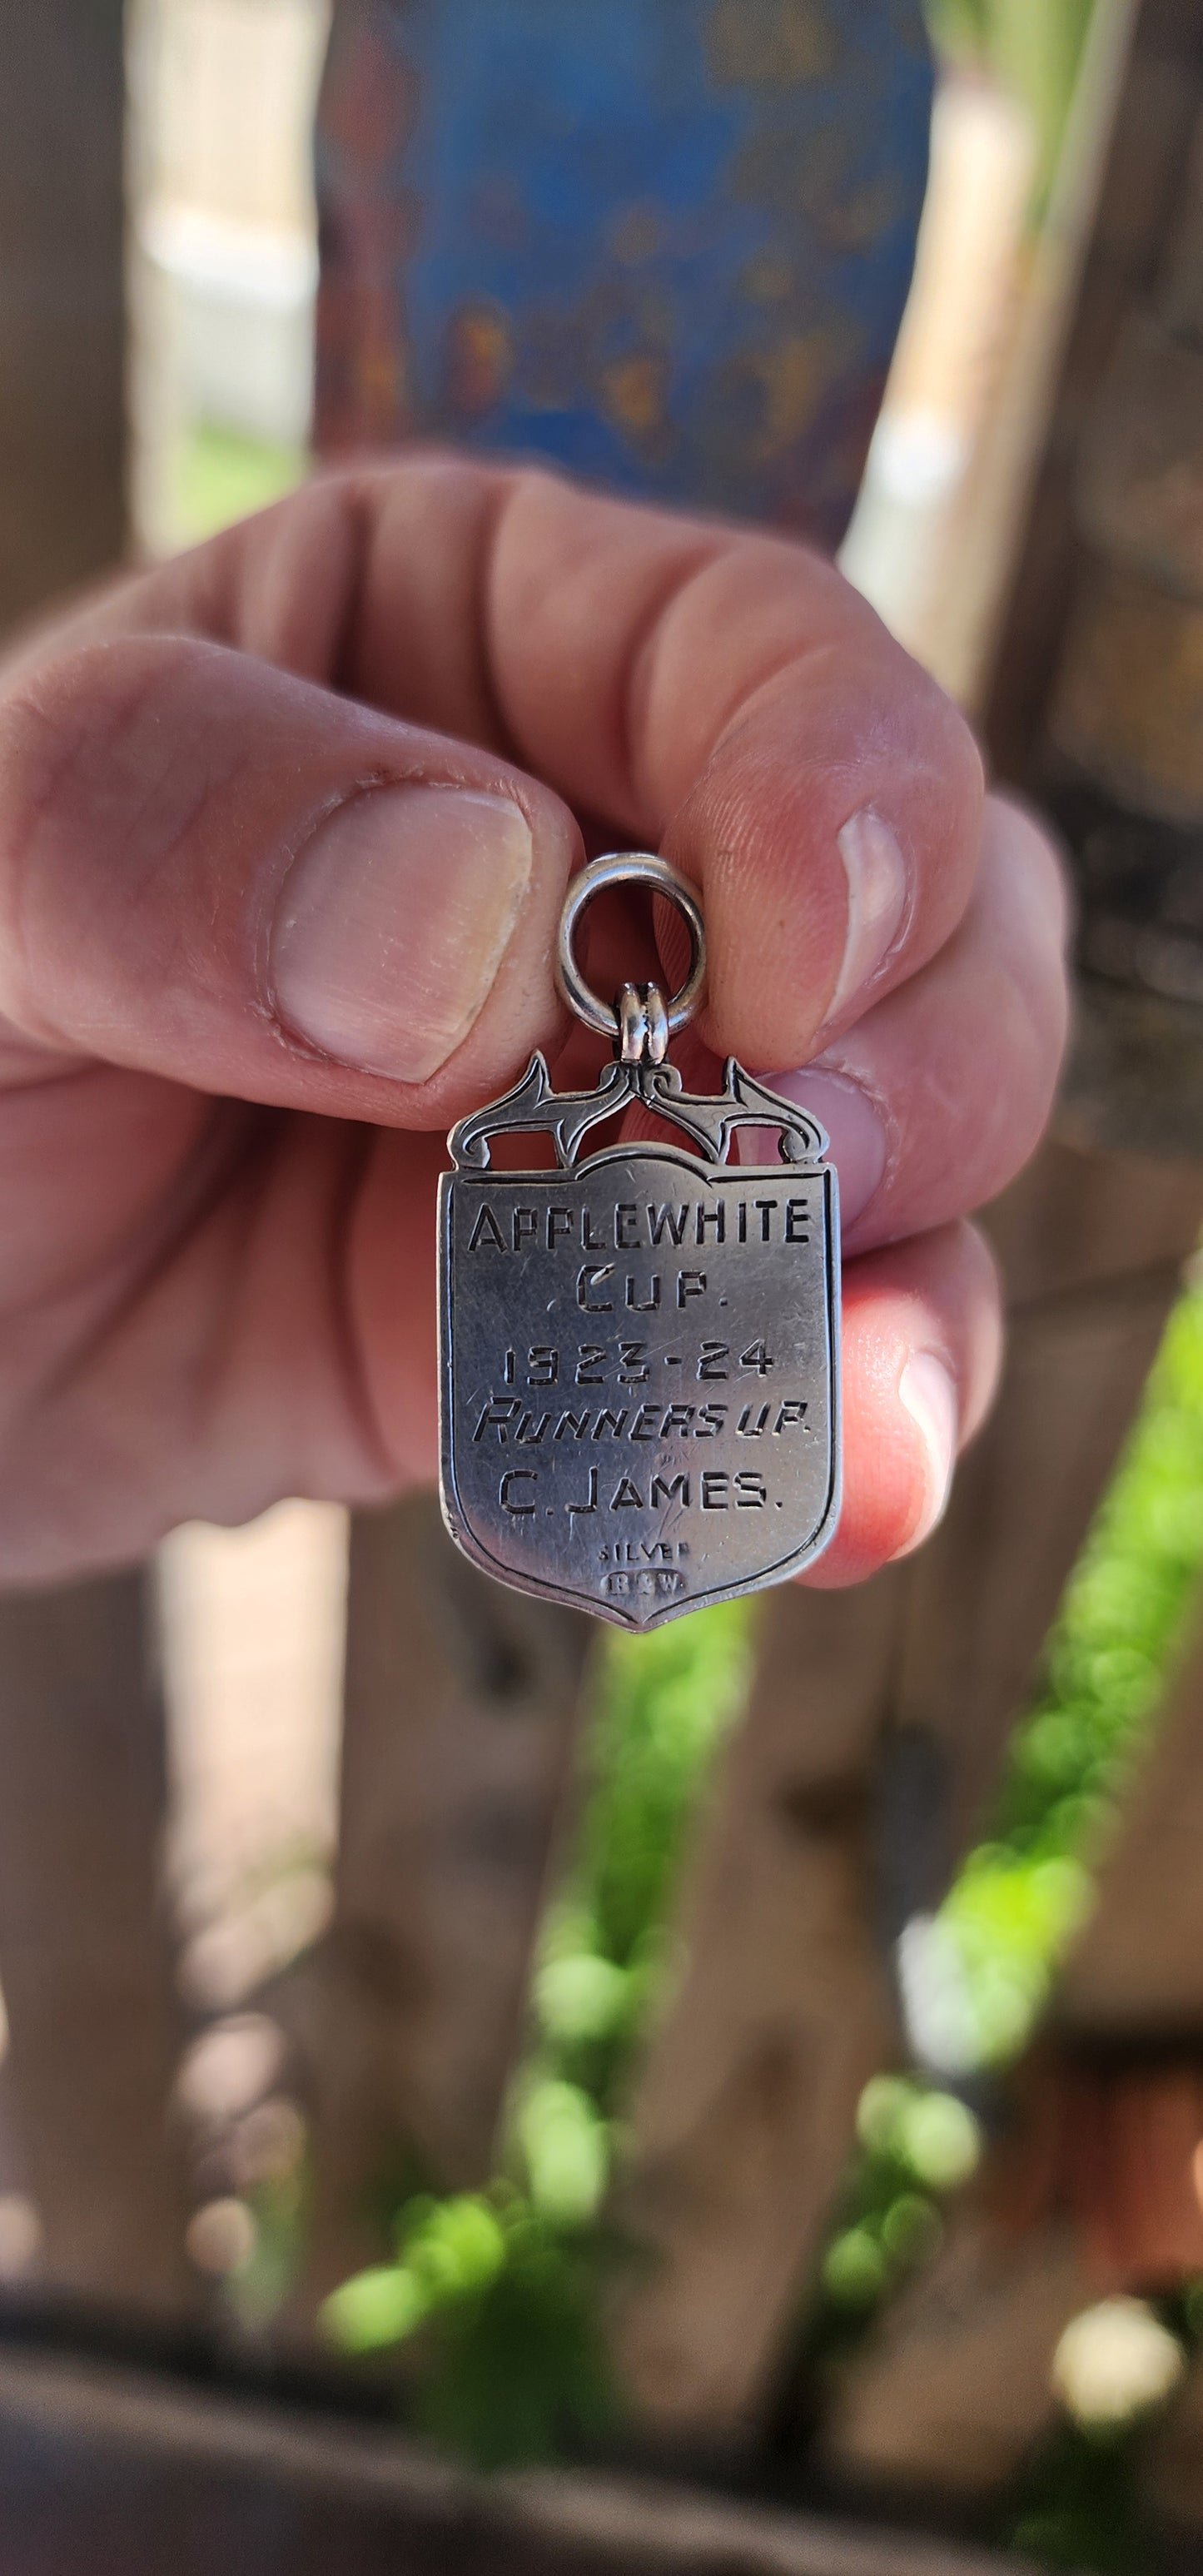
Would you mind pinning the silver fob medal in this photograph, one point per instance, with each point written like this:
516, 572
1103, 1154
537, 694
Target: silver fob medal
639, 1350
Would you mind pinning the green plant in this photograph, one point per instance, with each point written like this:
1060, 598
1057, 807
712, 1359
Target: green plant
1023, 1892
1033, 46
499, 2292
217, 475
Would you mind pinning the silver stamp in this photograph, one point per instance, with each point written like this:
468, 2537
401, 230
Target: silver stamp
639, 1349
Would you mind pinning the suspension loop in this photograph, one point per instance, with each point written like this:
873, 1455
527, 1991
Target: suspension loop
618, 1021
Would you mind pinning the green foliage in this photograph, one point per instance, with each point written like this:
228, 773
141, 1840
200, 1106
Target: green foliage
505, 2299
917, 2144
663, 1702
257, 2290
1078, 2504
1017, 1903
521, 2371
218, 476
1033, 46
501, 2291
1023, 1894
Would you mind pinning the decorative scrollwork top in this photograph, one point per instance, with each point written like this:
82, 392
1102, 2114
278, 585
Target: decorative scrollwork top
710, 1121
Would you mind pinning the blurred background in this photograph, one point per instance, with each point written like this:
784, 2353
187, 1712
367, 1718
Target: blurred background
769, 2052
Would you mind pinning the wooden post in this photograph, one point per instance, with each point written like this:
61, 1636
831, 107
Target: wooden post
62, 300
176, 2475
745, 2110
460, 1714
1092, 1247
1091, 1241
875, 1733
927, 2404
1136, 1975
84, 1953
1092, 2187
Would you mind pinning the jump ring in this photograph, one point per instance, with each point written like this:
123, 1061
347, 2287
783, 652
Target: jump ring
635, 867
655, 1010
630, 1011
642, 1018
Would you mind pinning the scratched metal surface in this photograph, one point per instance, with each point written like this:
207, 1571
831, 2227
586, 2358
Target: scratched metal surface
638, 1364
665, 243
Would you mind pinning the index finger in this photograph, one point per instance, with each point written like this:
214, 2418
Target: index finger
727, 697
708, 690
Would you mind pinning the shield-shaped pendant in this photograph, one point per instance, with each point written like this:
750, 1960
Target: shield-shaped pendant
639, 1351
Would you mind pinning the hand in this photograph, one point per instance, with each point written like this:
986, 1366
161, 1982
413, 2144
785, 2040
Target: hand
284, 832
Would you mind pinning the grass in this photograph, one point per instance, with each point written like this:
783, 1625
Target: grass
218, 476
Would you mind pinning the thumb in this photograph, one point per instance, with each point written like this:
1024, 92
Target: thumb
219, 873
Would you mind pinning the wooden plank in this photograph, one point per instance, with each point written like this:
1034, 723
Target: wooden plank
1092, 1248
745, 2110
1137, 1971
955, 2386
176, 2476
1136, 1080
1092, 2190
1083, 1216
1091, 1251
983, 1595
62, 305
977, 534
84, 1950
253, 1644
877, 1727
460, 1723
1092, 1240
1160, 101
1133, 1989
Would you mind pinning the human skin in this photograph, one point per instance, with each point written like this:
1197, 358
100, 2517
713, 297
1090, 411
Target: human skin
285, 827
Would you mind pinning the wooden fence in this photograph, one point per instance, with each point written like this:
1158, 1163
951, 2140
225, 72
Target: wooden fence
877, 1720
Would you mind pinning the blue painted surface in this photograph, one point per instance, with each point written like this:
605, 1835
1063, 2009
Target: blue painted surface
664, 242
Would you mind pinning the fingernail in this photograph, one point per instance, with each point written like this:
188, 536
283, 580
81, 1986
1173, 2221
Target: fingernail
393, 923
876, 873
930, 1397
855, 1131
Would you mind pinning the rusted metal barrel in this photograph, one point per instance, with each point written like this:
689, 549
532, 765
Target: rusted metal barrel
665, 243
